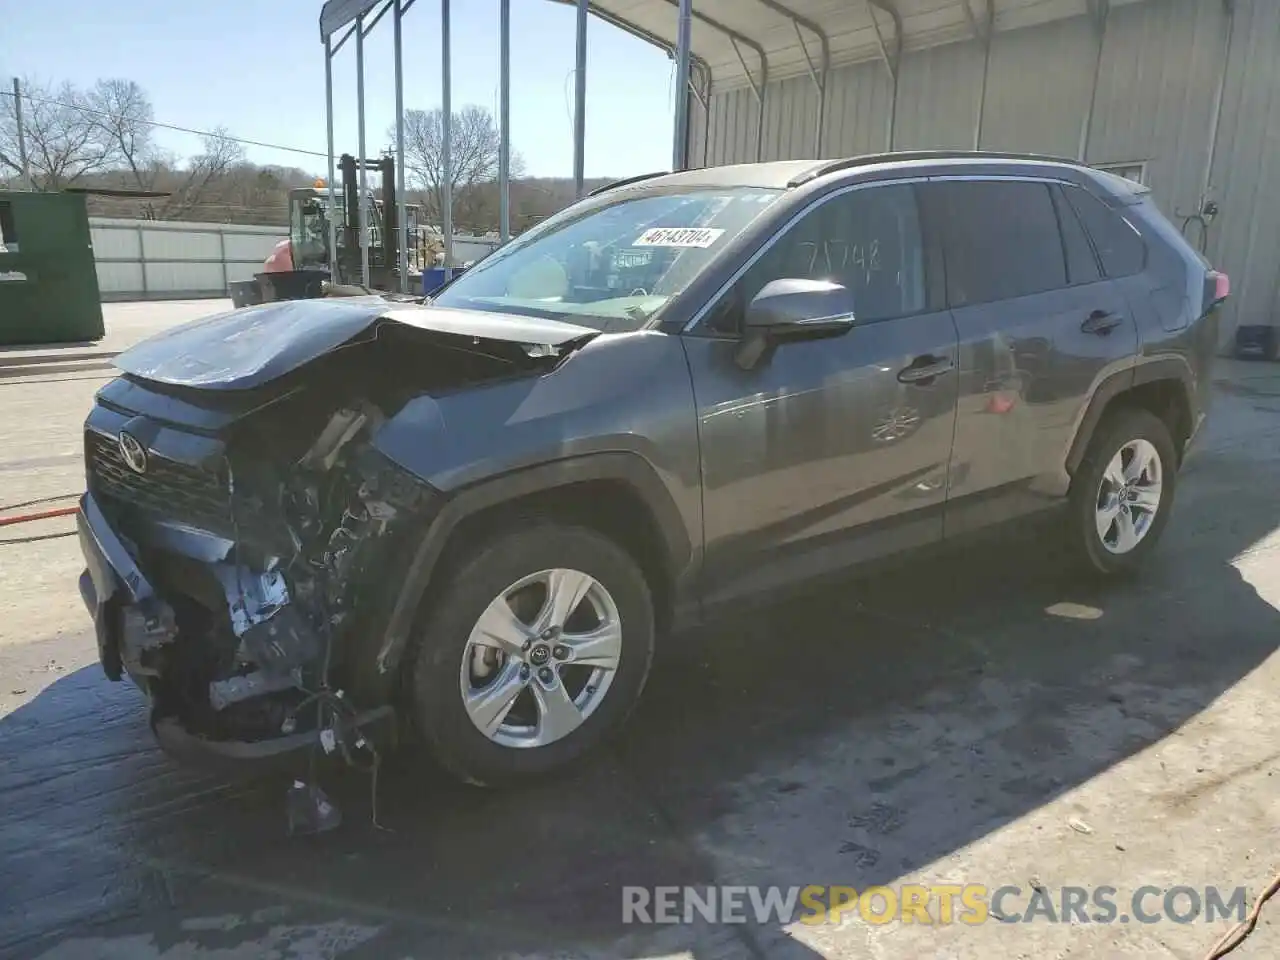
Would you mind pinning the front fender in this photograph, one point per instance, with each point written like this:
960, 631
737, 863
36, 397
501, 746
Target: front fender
620, 408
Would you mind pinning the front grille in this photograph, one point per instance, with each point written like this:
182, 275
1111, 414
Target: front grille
167, 489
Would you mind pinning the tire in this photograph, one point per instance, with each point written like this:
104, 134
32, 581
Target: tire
453, 651
1130, 432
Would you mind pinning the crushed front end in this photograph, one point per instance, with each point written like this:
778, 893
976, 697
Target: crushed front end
240, 553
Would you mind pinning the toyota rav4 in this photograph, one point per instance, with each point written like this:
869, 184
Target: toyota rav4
474, 518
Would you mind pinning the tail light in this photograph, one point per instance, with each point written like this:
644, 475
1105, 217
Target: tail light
1217, 287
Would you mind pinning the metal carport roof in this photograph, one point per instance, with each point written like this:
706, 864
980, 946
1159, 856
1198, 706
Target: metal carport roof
743, 41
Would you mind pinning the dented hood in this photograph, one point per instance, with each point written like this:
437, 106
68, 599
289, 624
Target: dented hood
246, 348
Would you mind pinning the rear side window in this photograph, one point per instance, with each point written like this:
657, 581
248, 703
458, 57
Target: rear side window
1119, 246
1082, 266
1001, 240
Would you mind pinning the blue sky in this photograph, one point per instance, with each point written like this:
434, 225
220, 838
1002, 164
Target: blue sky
257, 68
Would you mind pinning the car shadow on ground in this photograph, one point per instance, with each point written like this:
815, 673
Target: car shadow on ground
853, 736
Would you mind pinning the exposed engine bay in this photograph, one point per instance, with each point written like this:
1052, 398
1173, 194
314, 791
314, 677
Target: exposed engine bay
259, 510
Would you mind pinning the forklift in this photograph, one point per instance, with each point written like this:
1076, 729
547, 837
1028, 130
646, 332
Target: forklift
299, 267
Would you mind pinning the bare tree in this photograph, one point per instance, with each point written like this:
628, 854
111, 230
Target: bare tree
474, 146
205, 175
123, 114
63, 143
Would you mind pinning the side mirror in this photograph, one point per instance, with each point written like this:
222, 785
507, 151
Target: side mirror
794, 309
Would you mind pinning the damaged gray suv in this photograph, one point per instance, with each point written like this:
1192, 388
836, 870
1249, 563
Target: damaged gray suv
473, 519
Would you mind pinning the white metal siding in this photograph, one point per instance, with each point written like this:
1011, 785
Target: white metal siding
938, 98
1039, 83
1245, 238
859, 100
1157, 81
139, 259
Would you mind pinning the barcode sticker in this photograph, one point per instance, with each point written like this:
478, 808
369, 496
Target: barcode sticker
678, 237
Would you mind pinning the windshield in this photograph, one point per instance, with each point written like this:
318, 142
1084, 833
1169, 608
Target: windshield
610, 267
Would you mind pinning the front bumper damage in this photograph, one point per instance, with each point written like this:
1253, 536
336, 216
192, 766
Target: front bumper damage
250, 536
134, 625
254, 647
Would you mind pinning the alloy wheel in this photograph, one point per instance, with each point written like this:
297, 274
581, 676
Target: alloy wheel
1129, 496
541, 658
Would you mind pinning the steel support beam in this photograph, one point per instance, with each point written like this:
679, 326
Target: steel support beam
891, 62
739, 38
343, 39
1215, 124
819, 77
381, 13
504, 120
333, 204
684, 41
446, 146
364, 192
402, 227
580, 101
757, 89
985, 32
1100, 10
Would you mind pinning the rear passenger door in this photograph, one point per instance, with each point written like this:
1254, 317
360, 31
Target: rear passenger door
1038, 326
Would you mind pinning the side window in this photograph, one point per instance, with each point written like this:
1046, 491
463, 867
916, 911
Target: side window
868, 240
1119, 246
1001, 240
1082, 265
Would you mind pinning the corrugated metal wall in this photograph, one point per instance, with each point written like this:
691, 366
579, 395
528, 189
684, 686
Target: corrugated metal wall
1245, 238
1157, 82
159, 259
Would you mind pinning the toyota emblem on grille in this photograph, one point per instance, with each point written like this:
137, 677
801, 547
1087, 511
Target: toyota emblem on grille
133, 453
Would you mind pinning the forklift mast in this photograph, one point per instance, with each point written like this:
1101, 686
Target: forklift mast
385, 253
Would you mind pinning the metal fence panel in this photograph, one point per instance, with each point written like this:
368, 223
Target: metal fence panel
160, 259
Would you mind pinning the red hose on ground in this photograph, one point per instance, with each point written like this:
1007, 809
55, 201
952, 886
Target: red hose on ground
38, 515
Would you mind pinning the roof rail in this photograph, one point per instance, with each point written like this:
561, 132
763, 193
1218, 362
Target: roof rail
627, 181
848, 163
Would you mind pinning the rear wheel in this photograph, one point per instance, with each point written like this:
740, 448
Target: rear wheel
1122, 494
537, 647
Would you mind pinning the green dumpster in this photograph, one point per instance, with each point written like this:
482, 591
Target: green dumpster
48, 286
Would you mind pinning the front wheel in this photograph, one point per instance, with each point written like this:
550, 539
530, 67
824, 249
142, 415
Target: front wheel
538, 646
1122, 494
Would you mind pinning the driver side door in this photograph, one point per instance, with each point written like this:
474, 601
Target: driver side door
827, 452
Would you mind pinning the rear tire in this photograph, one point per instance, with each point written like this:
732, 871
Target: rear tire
502, 693
1123, 492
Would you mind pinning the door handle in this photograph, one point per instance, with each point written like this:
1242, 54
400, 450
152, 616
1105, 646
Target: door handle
924, 370
1101, 323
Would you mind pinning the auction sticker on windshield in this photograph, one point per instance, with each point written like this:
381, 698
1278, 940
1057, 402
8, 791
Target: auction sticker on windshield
678, 237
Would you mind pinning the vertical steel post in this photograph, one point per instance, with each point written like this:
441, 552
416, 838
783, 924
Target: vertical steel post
1215, 124
446, 122
22, 139
402, 226
982, 89
1086, 123
364, 193
580, 102
504, 120
684, 28
333, 201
